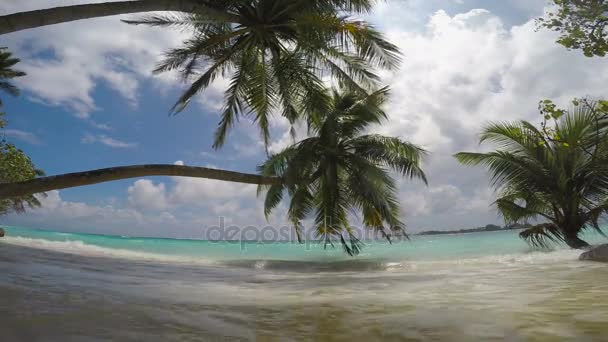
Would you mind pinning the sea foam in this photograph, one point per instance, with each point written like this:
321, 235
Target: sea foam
81, 248
369, 262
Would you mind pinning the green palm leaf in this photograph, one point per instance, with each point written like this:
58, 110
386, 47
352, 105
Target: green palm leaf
557, 174
15, 165
7, 73
275, 53
338, 171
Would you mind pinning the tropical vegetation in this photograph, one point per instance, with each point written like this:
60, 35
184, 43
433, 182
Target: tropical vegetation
56, 15
274, 53
556, 174
278, 55
50, 16
7, 73
582, 24
340, 168
15, 165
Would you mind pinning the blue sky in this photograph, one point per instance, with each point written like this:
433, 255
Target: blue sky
90, 101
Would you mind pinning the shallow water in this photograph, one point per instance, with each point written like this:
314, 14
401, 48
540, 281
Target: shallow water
485, 286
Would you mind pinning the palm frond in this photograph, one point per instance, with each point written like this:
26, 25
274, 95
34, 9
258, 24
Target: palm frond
401, 156
262, 96
542, 235
187, 21
177, 20
337, 171
513, 136
372, 191
274, 195
372, 46
7, 61
302, 204
234, 97
557, 173
200, 84
513, 212
301, 42
9, 88
357, 6
363, 112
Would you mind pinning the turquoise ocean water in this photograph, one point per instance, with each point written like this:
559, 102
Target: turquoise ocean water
435, 247
58, 286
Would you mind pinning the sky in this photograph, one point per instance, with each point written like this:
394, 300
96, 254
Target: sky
90, 101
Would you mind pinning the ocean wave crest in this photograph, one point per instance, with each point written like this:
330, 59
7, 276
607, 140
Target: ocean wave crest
360, 264
81, 248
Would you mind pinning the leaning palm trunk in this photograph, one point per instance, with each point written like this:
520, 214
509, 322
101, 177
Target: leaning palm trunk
50, 16
299, 235
69, 180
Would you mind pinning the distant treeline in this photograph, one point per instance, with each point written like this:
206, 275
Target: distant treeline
487, 228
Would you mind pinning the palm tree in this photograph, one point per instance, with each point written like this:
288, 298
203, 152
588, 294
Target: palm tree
274, 53
50, 16
339, 168
70, 180
15, 165
7, 73
17, 172
557, 175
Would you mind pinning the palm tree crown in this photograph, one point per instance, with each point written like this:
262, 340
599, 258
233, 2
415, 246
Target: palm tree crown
559, 175
338, 168
7, 61
274, 54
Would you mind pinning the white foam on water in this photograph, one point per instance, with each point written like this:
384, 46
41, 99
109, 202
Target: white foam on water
81, 248
561, 256
511, 259
260, 265
469, 283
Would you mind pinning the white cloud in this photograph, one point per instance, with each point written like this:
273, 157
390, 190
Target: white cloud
458, 74
111, 218
106, 140
65, 62
468, 69
100, 126
54, 83
28, 137
287, 138
459, 71
146, 195
213, 97
207, 191
53, 206
159, 209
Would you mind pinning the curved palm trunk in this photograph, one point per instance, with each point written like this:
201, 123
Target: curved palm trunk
573, 241
69, 180
25, 20
571, 230
299, 235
